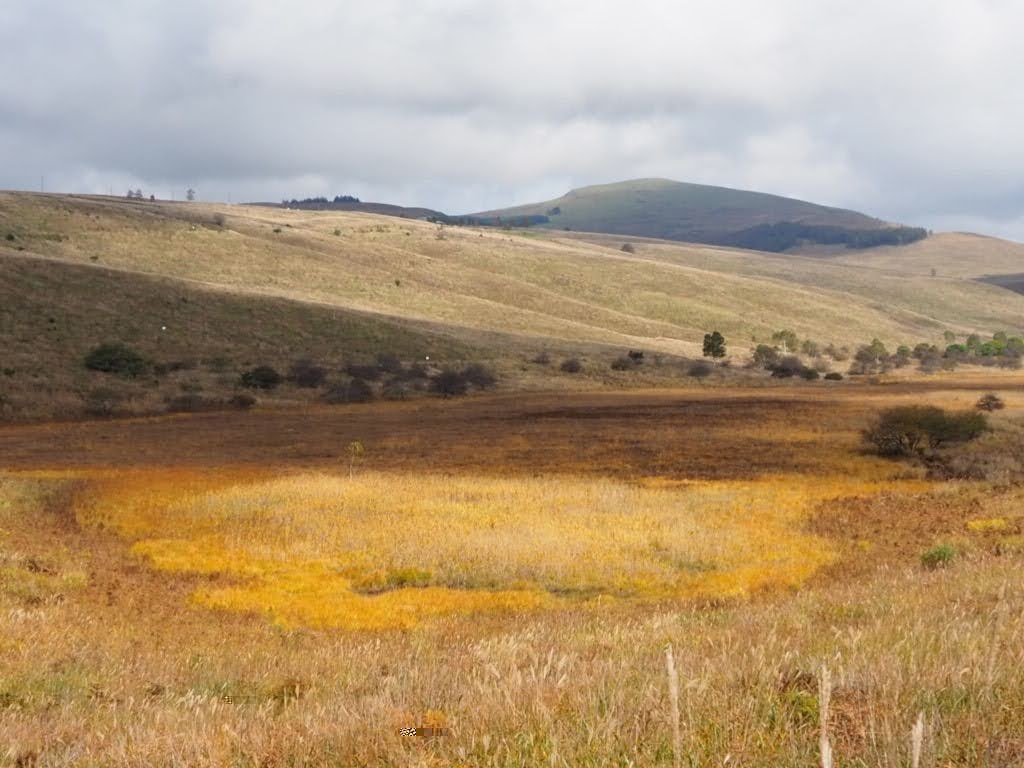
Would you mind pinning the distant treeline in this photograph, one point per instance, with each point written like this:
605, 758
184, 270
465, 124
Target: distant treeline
788, 234
492, 221
763, 237
312, 202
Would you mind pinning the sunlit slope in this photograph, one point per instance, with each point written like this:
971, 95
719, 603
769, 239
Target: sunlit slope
950, 254
664, 296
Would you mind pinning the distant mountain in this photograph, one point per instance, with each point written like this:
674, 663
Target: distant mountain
672, 210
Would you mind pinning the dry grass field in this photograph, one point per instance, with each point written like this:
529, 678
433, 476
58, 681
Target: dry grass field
505, 573
950, 254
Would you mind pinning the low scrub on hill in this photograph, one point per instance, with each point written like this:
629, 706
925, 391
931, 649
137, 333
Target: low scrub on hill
116, 358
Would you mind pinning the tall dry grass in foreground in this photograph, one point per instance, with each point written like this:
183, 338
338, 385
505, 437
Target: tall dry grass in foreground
380, 550
103, 663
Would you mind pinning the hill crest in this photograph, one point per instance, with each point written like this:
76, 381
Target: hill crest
672, 210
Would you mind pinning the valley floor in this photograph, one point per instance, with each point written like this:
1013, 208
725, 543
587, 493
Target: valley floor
295, 587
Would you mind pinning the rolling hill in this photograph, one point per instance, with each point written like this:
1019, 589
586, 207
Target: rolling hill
219, 288
698, 213
950, 254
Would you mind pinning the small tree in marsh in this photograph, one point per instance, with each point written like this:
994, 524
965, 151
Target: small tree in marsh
908, 430
990, 402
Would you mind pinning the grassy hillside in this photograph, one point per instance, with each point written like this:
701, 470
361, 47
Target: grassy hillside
950, 254
52, 314
259, 285
677, 211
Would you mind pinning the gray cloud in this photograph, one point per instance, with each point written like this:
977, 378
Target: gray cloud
907, 110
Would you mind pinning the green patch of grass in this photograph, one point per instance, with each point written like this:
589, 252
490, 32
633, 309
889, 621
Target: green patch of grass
939, 556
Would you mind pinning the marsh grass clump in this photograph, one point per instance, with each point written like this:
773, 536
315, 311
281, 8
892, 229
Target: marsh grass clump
938, 556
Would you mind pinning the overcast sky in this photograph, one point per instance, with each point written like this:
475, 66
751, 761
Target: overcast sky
910, 110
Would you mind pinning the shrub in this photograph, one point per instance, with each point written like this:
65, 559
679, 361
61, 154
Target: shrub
906, 430
353, 391
10, 237
415, 372
788, 367
395, 389
810, 348
787, 339
162, 369
810, 374
714, 344
628, 248
190, 403
479, 376
305, 373
389, 363
834, 376
449, 383
367, 372
700, 369
939, 556
115, 358
996, 457
839, 354
623, 363
572, 365
990, 402
218, 364
261, 377
243, 401
766, 356
542, 358
870, 358
102, 402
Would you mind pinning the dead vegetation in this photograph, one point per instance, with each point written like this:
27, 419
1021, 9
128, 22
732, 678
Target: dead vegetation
127, 549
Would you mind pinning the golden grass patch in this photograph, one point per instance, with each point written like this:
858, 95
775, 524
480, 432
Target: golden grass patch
379, 550
988, 525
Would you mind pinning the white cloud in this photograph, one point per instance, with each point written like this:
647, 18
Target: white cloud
905, 110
